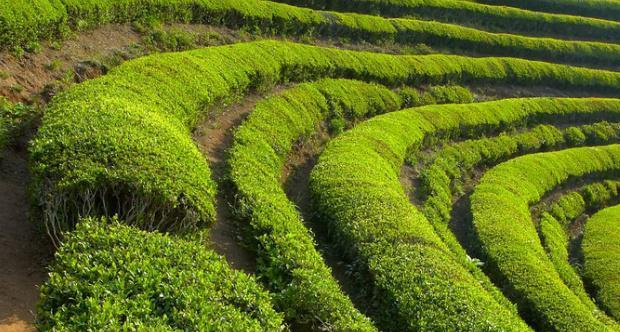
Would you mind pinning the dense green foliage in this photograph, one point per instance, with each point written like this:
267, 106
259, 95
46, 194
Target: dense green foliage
501, 19
111, 277
4, 133
24, 21
601, 252
444, 173
280, 19
288, 259
356, 187
127, 195
15, 119
502, 220
607, 9
554, 224
261, 146
436, 94
121, 144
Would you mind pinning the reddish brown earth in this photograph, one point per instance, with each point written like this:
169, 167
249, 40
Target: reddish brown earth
24, 250
214, 137
22, 77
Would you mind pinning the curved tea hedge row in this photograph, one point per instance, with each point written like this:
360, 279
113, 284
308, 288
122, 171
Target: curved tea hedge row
443, 173
606, 9
24, 21
120, 144
502, 221
436, 94
442, 177
601, 252
111, 277
287, 255
356, 187
501, 19
262, 143
281, 19
554, 223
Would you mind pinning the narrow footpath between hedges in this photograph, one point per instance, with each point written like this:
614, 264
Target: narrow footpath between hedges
24, 251
215, 137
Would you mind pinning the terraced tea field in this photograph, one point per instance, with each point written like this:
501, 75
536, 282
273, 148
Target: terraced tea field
297, 165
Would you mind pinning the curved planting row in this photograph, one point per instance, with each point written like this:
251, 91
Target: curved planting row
357, 190
281, 19
121, 144
436, 94
443, 175
288, 260
261, 145
601, 252
120, 147
606, 9
555, 234
494, 18
502, 220
112, 277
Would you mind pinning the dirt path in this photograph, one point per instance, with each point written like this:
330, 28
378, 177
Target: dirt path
215, 137
296, 182
24, 251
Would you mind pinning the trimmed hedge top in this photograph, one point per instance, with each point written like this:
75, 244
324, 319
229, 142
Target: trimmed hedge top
121, 144
294, 269
601, 253
493, 18
356, 187
502, 220
112, 277
607, 9
280, 19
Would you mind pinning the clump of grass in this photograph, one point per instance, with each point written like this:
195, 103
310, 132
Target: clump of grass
53, 65
34, 47
18, 52
17, 88
170, 40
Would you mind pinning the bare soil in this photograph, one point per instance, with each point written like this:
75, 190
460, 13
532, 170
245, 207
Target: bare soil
22, 77
215, 137
24, 249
